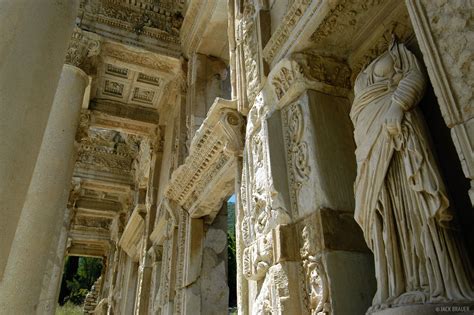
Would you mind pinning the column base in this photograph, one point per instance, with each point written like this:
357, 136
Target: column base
428, 309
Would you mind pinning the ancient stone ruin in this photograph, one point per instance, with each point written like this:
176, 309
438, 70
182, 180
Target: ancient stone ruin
343, 130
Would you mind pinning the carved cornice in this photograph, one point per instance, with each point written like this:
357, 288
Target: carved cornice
129, 126
197, 18
195, 22
129, 56
82, 45
204, 180
282, 33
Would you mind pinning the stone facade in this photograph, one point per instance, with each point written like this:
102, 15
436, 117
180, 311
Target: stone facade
308, 112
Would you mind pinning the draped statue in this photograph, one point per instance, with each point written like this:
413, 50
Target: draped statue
401, 201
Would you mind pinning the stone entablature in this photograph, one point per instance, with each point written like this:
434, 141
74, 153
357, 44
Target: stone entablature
155, 26
205, 179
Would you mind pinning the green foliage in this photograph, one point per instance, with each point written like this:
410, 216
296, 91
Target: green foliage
231, 218
68, 309
78, 278
231, 255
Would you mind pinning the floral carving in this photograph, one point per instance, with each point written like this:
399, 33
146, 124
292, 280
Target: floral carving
316, 284
298, 150
282, 82
341, 16
305, 70
324, 69
297, 153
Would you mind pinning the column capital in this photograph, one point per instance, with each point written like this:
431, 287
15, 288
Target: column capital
82, 46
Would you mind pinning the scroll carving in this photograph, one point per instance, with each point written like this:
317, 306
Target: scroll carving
297, 154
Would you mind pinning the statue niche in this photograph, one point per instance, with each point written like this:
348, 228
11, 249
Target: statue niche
401, 202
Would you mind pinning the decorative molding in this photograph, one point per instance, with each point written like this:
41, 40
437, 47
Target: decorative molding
297, 154
197, 18
205, 179
282, 33
159, 21
302, 71
133, 232
127, 55
316, 285
82, 45
107, 151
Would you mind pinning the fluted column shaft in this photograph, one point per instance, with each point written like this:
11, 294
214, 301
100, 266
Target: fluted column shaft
34, 36
46, 199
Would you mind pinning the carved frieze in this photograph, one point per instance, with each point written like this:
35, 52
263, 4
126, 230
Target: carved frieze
139, 57
342, 15
107, 151
158, 20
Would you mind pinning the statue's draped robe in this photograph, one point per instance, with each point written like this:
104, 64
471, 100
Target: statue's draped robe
401, 202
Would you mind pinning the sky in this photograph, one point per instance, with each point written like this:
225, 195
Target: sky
231, 199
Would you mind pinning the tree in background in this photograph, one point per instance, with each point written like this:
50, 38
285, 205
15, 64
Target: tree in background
231, 256
79, 275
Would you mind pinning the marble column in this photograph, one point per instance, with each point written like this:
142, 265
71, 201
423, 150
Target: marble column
47, 196
34, 36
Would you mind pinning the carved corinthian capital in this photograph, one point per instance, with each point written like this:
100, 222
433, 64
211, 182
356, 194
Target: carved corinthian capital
82, 45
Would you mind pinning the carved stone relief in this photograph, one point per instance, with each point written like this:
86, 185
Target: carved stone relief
249, 59
107, 151
296, 150
316, 283
158, 22
82, 45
